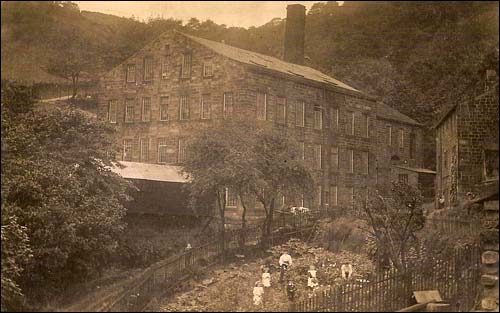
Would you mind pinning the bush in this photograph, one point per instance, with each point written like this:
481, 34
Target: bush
342, 234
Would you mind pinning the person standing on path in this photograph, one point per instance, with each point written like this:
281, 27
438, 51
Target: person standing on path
258, 292
266, 278
285, 261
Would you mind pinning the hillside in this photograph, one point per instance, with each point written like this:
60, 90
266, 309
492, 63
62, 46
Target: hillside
416, 56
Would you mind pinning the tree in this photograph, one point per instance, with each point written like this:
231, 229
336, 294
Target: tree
393, 220
56, 182
280, 170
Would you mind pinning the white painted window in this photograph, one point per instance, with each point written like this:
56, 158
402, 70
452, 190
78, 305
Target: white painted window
205, 107
112, 111
228, 104
129, 110
261, 106
144, 142
183, 108
146, 109
163, 108
300, 110
128, 145
162, 150
130, 75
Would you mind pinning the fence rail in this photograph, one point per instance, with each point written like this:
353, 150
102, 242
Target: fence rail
456, 278
161, 277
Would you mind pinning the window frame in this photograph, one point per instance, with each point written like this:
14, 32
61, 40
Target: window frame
146, 117
205, 107
302, 119
162, 143
318, 118
227, 113
162, 104
181, 151
206, 73
145, 77
281, 110
318, 160
334, 158
128, 71
112, 118
130, 146
164, 66
186, 64
141, 145
184, 108
129, 116
261, 114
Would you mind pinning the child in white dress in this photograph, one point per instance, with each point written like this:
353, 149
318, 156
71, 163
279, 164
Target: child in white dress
312, 280
266, 278
258, 292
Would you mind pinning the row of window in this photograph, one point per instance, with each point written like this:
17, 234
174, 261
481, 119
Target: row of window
401, 140
148, 68
165, 111
144, 150
318, 121
353, 160
329, 197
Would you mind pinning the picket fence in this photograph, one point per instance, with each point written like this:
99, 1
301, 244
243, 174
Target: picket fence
455, 277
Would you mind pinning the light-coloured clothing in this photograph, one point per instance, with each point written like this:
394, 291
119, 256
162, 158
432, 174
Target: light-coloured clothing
312, 281
266, 279
346, 271
258, 292
285, 259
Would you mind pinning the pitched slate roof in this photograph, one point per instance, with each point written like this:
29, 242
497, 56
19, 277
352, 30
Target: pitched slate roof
271, 63
386, 112
147, 171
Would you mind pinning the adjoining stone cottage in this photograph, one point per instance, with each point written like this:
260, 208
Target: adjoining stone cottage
353, 141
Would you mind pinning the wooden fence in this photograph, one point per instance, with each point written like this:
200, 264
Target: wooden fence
456, 278
160, 278
459, 227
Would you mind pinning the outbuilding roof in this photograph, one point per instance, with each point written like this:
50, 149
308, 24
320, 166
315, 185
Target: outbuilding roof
147, 171
268, 62
386, 112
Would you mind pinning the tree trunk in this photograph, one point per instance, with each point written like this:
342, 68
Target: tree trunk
221, 201
74, 86
243, 222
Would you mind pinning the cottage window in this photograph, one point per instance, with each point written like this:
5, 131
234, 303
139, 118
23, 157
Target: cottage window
127, 149
112, 111
401, 139
130, 75
231, 198
317, 157
334, 158
350, 123
365, 160
350, 160
403, 178
207, 69
333, 195
148, 69
144, 149
186, 65
164, 67
281, 110
162, 150
228, 104
366, 125
300, 110
181, 156
334, 118
183, 108
318, 117
163, 108
129, 110
205, 107
261, 106
146, 109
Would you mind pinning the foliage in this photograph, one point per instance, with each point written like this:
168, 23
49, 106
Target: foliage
393, 221
57, 183
342, 234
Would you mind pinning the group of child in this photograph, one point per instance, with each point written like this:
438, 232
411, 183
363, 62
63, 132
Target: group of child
285, 262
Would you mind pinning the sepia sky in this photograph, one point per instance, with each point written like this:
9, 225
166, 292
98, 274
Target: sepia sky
231, 13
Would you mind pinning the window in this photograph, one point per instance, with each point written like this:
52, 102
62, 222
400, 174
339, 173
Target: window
350, 160
129, 110
389, 135
317, 157
231, 198
261, 106
318, 117
130, 75
350, 123
281, 110
228, 104
350, 193
490, 164
334, 118
162, 150
183, 108
366, 125
148, 69
401, 139
186, 65
127, 149
164, 67
163, 108
412, 145
403, 178
144, 149
300, 117
205, 107
334, 158
365, 162
207, 70
146, 109
112, 110
319, 196
333, 195
181, 156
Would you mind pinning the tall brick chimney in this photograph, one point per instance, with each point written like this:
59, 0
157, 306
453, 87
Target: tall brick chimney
295, 33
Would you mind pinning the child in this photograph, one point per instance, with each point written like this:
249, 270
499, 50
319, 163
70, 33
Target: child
266, 278
258, 292
285, 261
346, 270
312, 280
290, 290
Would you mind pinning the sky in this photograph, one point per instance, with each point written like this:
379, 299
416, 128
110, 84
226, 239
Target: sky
231, 13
